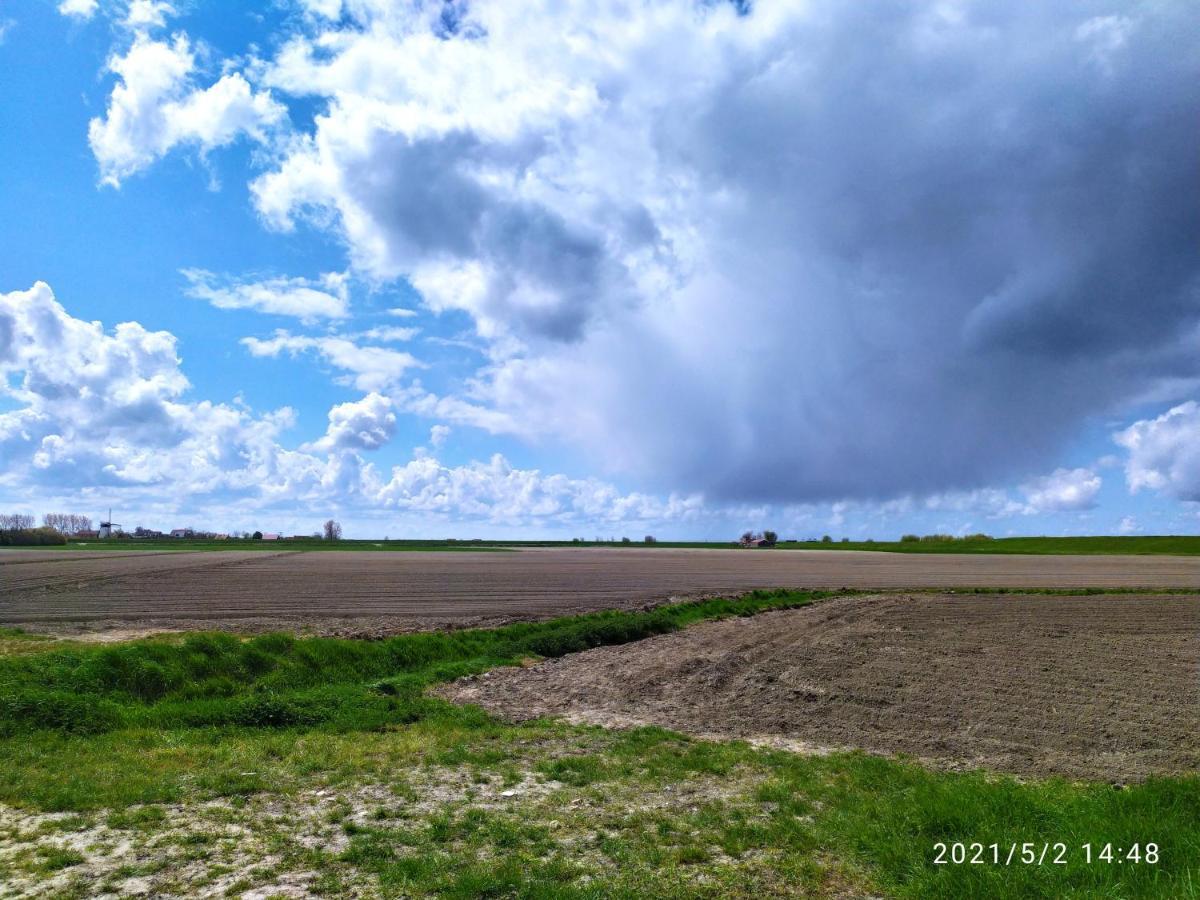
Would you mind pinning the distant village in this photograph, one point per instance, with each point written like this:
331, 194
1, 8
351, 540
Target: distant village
21, 528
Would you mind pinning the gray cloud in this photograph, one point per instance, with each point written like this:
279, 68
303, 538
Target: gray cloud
848, 250
950, 250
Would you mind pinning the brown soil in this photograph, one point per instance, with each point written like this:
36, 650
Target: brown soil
1103, 687
363, 593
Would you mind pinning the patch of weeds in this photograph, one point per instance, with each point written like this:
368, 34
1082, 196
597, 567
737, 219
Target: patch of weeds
54, 859
143, 817
338, 813
576, 771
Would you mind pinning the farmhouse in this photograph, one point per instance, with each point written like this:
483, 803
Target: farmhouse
757, 540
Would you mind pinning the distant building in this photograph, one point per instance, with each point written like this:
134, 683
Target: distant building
86, 534
181, 532
107, 528
756, 542
270, 536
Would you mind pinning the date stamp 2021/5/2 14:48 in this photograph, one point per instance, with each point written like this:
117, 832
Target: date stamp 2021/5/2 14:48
1059, 853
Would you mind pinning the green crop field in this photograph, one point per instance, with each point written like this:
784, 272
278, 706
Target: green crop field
1186, 545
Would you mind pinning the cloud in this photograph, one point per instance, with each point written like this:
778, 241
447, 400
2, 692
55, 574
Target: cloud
808, 252
101, 417
366, 424
388, 334
438, 435
78, 9
156, 106
496, 491
100, 410
1164, 453
1064, 490
993, 503
370, 368
326, 297
147, 14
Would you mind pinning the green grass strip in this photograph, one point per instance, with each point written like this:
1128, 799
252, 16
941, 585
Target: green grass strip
277, 680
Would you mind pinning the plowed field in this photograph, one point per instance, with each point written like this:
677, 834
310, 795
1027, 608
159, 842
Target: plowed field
1094, 687
376, 593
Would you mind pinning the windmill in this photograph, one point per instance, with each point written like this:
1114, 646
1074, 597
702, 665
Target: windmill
106, 528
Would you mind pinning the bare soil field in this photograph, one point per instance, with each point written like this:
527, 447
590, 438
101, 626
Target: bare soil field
380, 593
1103, 687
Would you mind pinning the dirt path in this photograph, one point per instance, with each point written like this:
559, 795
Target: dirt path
377, 593
1097, 687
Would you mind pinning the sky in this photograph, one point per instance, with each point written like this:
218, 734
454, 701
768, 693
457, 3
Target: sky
577, 269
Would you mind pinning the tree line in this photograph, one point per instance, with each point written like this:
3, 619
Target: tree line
63, 523
17, 529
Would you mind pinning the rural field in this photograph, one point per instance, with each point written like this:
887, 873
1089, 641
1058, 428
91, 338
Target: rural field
597, 722
571, 451
372, 594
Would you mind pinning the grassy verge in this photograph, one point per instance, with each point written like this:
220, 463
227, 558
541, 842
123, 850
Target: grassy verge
213, 679
16, 642
273, 763
1136, 545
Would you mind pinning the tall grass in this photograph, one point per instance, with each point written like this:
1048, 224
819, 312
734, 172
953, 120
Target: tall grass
277, 680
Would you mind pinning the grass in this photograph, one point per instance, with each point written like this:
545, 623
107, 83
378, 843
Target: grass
212, 760
213, 679
16, 642
1138, 545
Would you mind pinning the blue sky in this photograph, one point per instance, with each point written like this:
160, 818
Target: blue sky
484, 269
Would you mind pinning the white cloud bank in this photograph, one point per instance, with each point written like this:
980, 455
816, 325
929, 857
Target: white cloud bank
103, 417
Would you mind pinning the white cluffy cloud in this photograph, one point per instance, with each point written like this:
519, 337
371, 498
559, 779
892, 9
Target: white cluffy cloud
1164, 452
1064, 490
144, 15
365, 424
79, 9
156, 105
326, 297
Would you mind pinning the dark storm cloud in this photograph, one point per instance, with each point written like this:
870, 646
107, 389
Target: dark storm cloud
838, 250
958, 244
